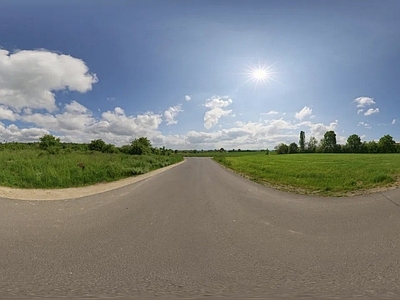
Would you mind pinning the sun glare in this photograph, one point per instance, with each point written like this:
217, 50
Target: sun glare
260, 74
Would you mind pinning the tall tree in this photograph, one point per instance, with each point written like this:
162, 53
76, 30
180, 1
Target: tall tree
354, 143
293, 148
329, 141
302, 141
386, 144
312, 144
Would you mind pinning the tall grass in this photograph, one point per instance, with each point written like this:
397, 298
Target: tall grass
37, 169
323, 174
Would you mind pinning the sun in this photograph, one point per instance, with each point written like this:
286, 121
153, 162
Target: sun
260, 74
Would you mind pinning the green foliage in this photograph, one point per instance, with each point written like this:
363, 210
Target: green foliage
97, 145
293, 148
353, 143
312, 144
49, 142
30, 168
328, 143
386, 144
141, 146
302, 141
282, 148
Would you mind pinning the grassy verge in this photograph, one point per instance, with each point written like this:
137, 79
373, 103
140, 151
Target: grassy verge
36, 169
321, 174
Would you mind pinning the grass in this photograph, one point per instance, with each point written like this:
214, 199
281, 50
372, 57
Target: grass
35, 169
321, 174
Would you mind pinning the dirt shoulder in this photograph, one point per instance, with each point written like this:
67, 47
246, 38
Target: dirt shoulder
71, 193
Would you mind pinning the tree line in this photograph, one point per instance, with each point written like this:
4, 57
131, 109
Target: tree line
328, 144
53, 145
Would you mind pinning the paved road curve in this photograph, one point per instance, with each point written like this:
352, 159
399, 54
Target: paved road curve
198, 230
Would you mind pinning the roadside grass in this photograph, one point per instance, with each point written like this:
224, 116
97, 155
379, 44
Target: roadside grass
319, 174
36, 169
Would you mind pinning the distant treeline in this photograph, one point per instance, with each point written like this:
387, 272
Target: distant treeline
328, 144
53, 145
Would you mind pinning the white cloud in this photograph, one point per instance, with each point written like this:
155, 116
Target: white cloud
257, 135
365, 125
28, 79
217, 101
318, 129
188, 98
364, 101
171, 113
13, 133
7, 114
394, 121
272, 112
216, 104
371, 111
359, 111
304, 112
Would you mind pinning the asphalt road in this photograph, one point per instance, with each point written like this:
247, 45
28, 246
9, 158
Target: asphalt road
197, 231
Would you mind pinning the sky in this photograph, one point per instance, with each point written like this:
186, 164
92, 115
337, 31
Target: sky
199, 74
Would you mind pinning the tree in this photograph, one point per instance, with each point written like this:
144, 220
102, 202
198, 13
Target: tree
49, 142
282, 148
97, 145
353, 143
302, 141
329, 142
386, 144
293, 148
312, 144
371, 147
141, 146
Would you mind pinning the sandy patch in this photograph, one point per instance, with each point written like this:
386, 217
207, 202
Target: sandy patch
71, 193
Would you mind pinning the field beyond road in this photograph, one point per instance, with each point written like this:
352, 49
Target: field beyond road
320, 174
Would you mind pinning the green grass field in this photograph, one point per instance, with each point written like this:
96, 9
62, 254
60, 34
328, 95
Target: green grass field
320, 174
37, 169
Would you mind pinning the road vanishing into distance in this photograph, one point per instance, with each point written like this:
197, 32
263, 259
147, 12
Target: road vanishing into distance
199, 231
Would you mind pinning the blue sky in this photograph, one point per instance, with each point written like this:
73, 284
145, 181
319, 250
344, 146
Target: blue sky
179, 72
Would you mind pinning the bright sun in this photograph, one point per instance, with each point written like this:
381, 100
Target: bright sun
260, 74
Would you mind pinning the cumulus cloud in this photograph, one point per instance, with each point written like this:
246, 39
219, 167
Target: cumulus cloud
13, 133
216, 105
304, 112
394, 121
257, 135
7, 114
359, 111
29, 78
364, 101
188, 98
171, 113
371, 111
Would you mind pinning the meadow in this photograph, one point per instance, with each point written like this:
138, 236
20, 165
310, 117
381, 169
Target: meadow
318, 174
32, 168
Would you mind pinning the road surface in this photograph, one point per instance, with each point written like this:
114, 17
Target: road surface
198, 230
